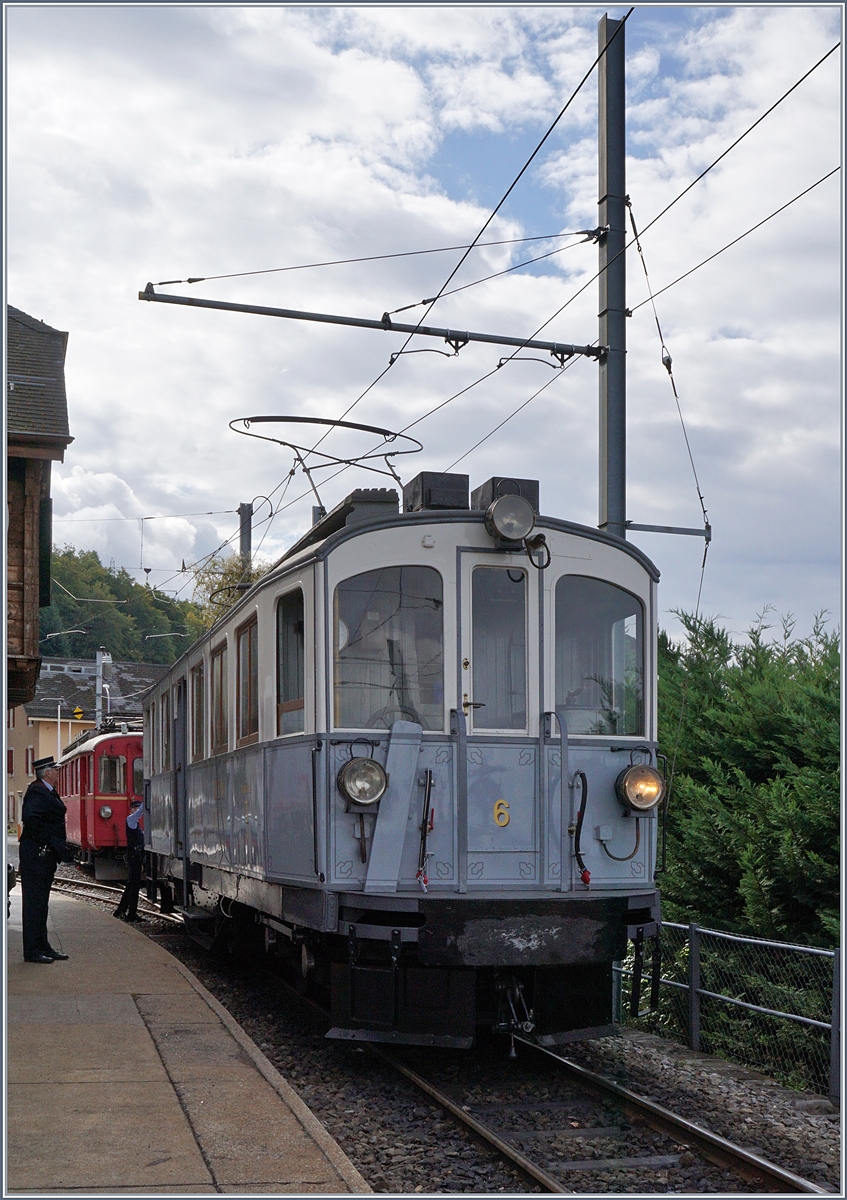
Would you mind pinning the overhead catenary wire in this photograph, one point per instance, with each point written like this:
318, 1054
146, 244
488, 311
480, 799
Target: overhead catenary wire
590, 236
341, 262
667, 363
740, 237
159, 517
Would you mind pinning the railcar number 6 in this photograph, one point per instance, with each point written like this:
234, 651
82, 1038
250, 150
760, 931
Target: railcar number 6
501, 813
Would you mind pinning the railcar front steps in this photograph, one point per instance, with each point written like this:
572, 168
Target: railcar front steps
199, 924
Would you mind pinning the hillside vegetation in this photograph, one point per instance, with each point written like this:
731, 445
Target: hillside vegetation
125, 628
753, 820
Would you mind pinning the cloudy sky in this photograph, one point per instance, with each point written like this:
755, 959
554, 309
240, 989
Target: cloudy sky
153, 143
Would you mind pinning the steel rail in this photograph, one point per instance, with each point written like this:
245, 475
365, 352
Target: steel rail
520, 1160
712, 1146
85, 888
454, 337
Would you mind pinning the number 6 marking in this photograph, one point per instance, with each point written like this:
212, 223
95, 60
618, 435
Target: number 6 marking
501, 813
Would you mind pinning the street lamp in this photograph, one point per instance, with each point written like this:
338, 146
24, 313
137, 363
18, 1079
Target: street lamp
60, 633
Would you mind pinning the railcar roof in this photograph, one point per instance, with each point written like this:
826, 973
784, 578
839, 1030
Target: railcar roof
86, 745
307, 550
302, 552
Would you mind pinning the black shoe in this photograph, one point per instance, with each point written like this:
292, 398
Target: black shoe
39, 958
121, 916
133, 917
57, 954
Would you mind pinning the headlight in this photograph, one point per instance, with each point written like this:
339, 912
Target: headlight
510, 517
362, 780
640, 788
105, 812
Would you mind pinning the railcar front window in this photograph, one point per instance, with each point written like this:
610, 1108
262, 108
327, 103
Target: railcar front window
389, 649
499, 648
113, 774
289, 658
599, 657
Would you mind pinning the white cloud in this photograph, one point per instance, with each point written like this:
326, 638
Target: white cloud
156, 143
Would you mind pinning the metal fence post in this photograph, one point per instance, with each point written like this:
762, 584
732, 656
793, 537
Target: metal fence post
694, 987
835, 1035
617, 993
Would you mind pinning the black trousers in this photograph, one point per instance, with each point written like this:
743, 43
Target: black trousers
128, 903
37, 873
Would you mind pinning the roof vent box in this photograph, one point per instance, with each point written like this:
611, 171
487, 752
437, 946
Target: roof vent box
434, 489
504, 485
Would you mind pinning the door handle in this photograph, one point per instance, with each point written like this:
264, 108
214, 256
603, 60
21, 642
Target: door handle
468, 704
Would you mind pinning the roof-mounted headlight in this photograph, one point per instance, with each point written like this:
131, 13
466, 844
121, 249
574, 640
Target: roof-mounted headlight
511, 518
362, 780
640, 788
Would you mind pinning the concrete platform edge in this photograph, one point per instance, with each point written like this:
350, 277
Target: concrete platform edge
313, 1127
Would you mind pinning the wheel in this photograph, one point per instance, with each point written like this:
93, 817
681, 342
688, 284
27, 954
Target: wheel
397, 712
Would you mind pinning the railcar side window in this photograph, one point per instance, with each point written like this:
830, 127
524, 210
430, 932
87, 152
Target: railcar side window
389, 649
113, 774
138, 776
248, 683
220, 714
198, 713
599, 657
290, 626
165, 708
499, 648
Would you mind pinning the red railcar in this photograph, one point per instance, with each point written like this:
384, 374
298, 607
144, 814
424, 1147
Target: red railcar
99, 774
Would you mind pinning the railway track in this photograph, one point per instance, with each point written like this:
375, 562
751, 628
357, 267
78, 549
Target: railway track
103, 891
584, 1141
558, 1143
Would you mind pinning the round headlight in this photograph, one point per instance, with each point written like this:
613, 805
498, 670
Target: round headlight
362, 780
105, 812
511, 518
640, 788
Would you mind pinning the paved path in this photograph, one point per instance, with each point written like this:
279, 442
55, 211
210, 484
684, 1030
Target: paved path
125, 1076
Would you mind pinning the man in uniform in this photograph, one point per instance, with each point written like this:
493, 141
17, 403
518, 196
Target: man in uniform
128, 903
43, 846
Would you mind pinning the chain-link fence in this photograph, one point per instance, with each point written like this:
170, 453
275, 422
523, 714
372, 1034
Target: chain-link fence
768, 1005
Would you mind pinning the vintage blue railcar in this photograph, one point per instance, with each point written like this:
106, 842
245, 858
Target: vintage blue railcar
421, 753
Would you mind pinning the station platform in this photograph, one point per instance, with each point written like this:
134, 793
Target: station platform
126, 1077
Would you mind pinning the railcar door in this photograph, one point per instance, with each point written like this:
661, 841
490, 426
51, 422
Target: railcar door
499, 689
180, 779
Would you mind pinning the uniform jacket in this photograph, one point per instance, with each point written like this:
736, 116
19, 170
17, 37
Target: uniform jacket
43, 816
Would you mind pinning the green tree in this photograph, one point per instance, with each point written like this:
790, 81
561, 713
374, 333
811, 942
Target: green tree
753, 821
112, 610
218, 583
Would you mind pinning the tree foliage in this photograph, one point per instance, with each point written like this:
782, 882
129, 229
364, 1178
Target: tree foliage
217, 583
753, 820
130, 630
